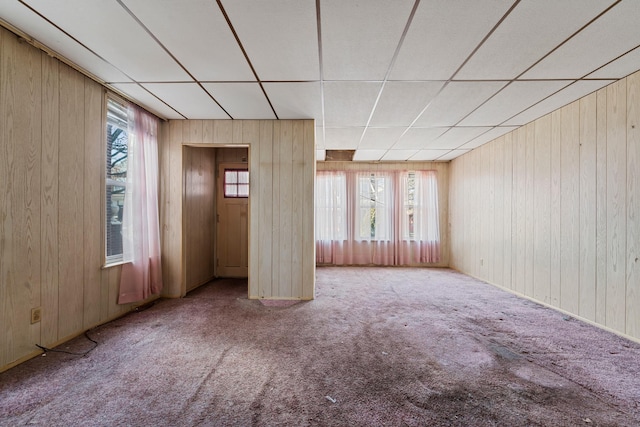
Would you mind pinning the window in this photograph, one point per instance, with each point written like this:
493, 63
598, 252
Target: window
374, 207
116, 177
377, 217
236, 183
410, 206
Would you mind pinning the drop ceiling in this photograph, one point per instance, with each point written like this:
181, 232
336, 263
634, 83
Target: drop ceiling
393, 80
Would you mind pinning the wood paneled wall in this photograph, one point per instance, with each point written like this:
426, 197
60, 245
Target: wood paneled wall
552, 210
51, 209
281, 203
200, 215
442, 169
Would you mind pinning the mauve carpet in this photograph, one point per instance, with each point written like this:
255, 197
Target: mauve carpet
378, 346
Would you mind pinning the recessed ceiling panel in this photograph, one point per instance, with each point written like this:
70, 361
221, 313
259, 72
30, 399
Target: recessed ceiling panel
359, 37
380, 138
419, 138
426, 155
349, 103
241, 100
619, 68
398, 155
453, 154
188, 99
613, 34
401, 102
146, 99
565, 96
368, 155
443, 34
107, 29
457, 100
280, 37
342, 138
458, 136
31, 23
488, 136
197, 35
514, 98
296, 100
530, 31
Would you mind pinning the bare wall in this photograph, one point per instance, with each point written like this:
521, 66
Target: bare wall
51, 203
281, 213
552, 210
199, 211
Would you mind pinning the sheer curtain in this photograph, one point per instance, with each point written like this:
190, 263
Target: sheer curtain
419, 225
379, 218
142, 271
331, 216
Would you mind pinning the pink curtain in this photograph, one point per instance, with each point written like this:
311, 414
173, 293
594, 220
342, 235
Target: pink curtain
366, 218
142, 271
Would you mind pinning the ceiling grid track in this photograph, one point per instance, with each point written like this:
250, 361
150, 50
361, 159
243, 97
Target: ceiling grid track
144, 27
390, 68
244, 52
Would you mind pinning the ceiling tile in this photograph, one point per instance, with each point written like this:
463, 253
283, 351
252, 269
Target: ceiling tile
368, 155
146, 99
280, 37
419, 138
565, 96
342, 138
530, 31
380, 138
198, 36
488, 136
426, 155
349, 103
359, 37
457, 100
93, 23
401, 102
241, 100
512, 99
610, 36
453, 154
296, 100
22, 17
398, 155
435, 46
619, 68
457, 137
188, 99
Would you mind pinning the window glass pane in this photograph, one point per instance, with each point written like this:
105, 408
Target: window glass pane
243, 190
231, 190
230, 177
116, 175
236, 183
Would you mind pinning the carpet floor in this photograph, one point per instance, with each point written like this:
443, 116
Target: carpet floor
377, 347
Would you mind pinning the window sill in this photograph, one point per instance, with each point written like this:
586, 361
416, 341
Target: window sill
114, 264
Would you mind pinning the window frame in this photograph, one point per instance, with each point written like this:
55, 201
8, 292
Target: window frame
115, 259
237, 184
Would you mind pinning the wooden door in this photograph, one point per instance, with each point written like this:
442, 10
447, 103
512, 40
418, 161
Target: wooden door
232, 219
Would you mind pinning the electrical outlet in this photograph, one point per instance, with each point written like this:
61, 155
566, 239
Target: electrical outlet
36, 315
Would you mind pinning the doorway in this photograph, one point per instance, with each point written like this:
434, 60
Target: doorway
215, 229
232, 202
